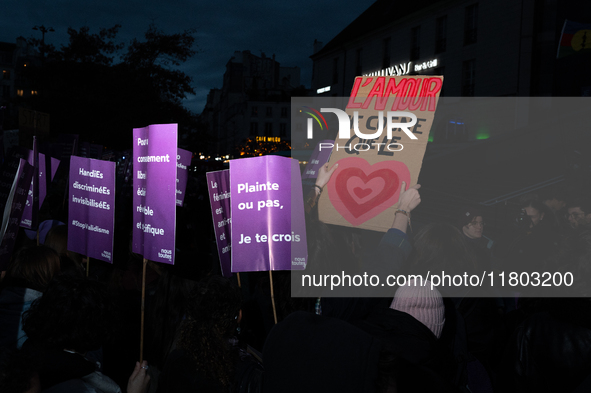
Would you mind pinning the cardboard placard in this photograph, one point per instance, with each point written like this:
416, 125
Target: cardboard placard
218, 185
268, 227
91, 209
381, 145
154, 192
318, 158
183, 162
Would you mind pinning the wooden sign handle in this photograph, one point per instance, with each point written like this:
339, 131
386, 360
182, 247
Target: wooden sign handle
145, 263
273, 297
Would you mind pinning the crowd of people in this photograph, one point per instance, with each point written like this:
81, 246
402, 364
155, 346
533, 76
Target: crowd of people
68, 326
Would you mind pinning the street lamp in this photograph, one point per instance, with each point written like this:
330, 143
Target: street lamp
43, 30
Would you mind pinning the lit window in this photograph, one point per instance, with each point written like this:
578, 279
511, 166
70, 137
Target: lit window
34, 92
19, 92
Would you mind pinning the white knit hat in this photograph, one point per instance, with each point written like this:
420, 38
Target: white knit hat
423, 303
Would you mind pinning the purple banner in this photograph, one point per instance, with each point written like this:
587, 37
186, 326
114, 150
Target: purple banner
91, 209
319, 157
154, 191
13, 211
268, 228
183, 162
29, 155
218, 184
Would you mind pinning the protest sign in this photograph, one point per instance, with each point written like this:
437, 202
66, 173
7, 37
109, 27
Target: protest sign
318, 158
21, 152
91, 209
218, 184
381, 143
31, 213
13, 210
183, 162
154, 191
268, 228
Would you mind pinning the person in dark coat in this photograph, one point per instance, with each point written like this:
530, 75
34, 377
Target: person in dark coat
208, 357
27, 278
73, 318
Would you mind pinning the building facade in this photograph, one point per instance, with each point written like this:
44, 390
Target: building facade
484, 48
14, 84
253, 102
505, 49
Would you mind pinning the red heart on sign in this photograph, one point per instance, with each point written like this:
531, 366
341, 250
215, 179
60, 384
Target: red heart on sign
360, 191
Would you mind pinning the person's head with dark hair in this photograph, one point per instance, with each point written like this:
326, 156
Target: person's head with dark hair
213, 315
441, 246
311, 353
57, 238
555, 199
471, 221
74, 313
535, 210
578, 212
33, 267
68, 266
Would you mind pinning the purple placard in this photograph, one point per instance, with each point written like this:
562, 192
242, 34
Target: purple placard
27, 218
268, 229
183, 162
154, 191
91, 208
218, 184
319, 157
13, 211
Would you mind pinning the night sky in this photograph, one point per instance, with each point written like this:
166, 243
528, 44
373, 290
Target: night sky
284, 28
